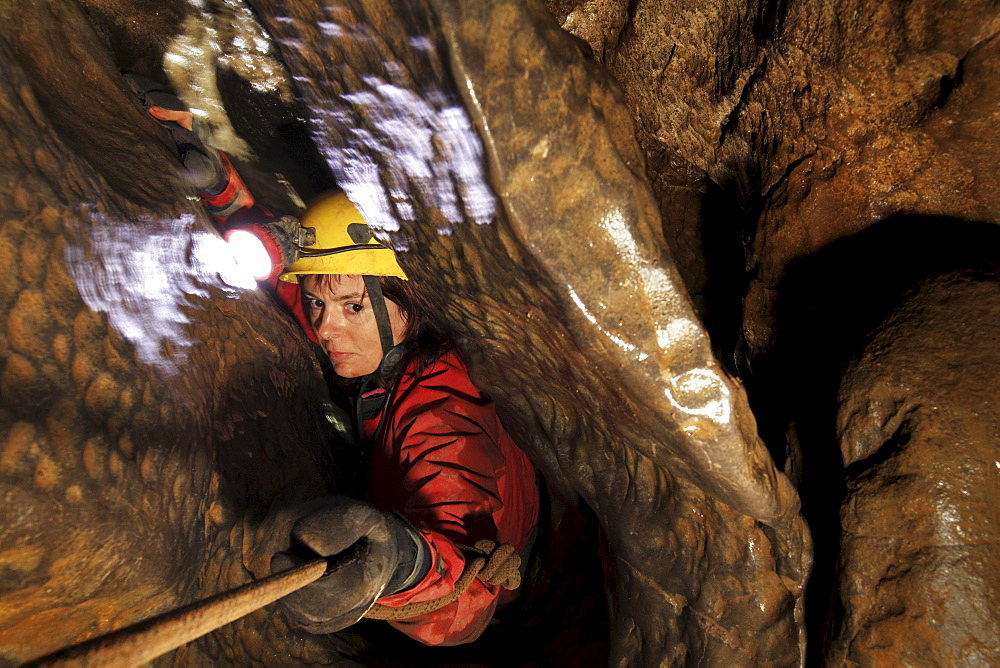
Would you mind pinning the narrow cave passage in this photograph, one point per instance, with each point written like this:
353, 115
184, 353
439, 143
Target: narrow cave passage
561, 614
681, 368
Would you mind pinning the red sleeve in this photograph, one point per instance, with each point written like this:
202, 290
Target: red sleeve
234, 196
446, 464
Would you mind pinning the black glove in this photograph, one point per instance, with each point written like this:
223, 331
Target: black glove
202, 163
376, 554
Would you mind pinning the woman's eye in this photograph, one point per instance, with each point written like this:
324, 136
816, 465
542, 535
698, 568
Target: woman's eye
314, 303
355, 308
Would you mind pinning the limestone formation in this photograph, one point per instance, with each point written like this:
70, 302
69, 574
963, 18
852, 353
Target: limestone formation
639, 220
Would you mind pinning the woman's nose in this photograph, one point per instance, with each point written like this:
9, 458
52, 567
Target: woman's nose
328, 326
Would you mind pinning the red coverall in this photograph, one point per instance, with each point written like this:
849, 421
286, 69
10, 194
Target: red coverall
446, 463
443, 461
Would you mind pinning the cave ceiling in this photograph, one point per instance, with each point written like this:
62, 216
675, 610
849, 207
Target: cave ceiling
729, 270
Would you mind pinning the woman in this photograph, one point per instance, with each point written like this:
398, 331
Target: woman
439, 469
435, 450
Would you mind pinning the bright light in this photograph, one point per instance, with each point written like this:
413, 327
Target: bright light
250, 253
150, 277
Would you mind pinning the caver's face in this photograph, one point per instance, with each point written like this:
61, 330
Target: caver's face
341, 315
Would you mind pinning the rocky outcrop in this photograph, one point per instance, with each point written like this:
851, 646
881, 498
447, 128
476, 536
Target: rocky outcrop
919, 424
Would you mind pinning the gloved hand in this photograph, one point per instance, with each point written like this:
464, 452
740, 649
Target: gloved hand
202, 163
378, 554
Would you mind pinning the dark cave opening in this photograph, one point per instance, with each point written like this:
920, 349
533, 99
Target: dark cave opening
725, 237
830, 304
278, 132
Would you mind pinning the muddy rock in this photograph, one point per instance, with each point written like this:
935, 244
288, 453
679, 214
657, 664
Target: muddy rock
919, 424
132, 427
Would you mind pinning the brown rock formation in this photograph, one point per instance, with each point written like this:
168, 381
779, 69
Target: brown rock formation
156, 419
919, 424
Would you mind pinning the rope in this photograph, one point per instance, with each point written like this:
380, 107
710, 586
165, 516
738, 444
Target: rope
494, 564
142, 642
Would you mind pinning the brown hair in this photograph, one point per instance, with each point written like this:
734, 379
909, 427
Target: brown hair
424, 340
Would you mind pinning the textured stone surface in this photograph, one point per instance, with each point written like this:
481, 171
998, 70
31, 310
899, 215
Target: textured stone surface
919, 426
806, 163
772, 129
138, 442
777, 136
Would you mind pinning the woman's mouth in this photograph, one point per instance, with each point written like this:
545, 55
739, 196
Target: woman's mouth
335, 356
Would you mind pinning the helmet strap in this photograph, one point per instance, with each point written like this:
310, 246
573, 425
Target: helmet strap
374, 291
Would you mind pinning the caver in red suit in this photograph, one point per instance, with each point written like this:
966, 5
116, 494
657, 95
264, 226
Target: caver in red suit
436, 456
444, 461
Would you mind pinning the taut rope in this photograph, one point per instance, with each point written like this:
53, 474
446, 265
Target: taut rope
144, 641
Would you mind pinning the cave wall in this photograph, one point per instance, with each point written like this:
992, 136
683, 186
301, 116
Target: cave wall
918, 431
814, 164
759, 158
140, 451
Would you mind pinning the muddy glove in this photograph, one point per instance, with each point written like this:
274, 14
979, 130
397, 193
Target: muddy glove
202, 163
375, 554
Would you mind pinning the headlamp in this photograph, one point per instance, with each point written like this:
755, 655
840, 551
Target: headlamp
252, 253
265, 249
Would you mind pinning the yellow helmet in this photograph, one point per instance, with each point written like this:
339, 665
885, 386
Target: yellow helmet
343, 245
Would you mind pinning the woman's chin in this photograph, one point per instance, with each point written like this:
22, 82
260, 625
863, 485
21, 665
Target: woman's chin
344, 373
351, 370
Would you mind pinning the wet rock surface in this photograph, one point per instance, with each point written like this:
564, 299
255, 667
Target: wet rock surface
565, 192
578, 201
140, 446
918, 425
772, 129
